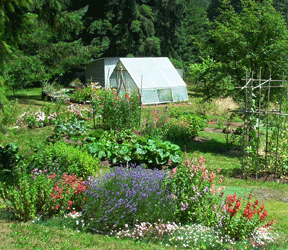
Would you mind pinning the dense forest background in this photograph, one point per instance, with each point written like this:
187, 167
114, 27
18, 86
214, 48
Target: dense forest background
214, 41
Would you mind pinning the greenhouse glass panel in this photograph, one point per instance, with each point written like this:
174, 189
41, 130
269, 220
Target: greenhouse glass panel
149, 96
164, 95
179, 94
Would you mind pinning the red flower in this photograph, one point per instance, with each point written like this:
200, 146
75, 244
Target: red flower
262, 216
127, 96
70, 203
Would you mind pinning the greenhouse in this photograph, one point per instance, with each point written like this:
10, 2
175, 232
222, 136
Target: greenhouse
155, 78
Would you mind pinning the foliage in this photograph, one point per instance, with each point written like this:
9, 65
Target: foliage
62, 157
9, 159
126, 196
26, 197
71, 128
141, 149
173, 124
196, 197
39, 193
157, 151
13, 21
68, 194
84, 94
154, 121
78, 111
184, 128
253, 39
177, 235
195, 236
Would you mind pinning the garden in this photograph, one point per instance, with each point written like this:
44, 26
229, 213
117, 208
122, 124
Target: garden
112, 174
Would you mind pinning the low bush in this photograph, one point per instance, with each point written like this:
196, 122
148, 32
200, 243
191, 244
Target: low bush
63, 157
126, 196
36, 119
199, 201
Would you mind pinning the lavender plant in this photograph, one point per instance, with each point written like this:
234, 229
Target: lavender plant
127, 195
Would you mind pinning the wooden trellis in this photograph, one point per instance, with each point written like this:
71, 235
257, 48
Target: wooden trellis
264, 110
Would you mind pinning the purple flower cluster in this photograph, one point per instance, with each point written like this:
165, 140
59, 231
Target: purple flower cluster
127, 195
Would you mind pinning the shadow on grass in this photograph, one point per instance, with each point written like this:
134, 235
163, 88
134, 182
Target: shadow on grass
24, 97
195, 95
212, 146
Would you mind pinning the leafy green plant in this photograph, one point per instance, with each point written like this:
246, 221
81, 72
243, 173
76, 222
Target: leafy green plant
73, 127
141, 149
63, 157
155, 151
27, 196
183, 128
78, 111
154, 121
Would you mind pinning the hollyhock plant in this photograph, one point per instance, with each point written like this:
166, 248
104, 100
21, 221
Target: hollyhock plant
195, 192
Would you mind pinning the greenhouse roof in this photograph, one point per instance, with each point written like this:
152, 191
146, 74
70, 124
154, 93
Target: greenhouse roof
152, 72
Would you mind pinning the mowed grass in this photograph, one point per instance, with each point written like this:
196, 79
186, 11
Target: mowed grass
15, 235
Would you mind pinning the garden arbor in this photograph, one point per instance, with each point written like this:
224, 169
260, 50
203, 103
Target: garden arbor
265, 139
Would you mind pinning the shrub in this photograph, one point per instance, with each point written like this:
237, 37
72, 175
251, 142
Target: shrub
173, 124
126, 196
154, 121
28, 195
67, 193
63, 157
78, 111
